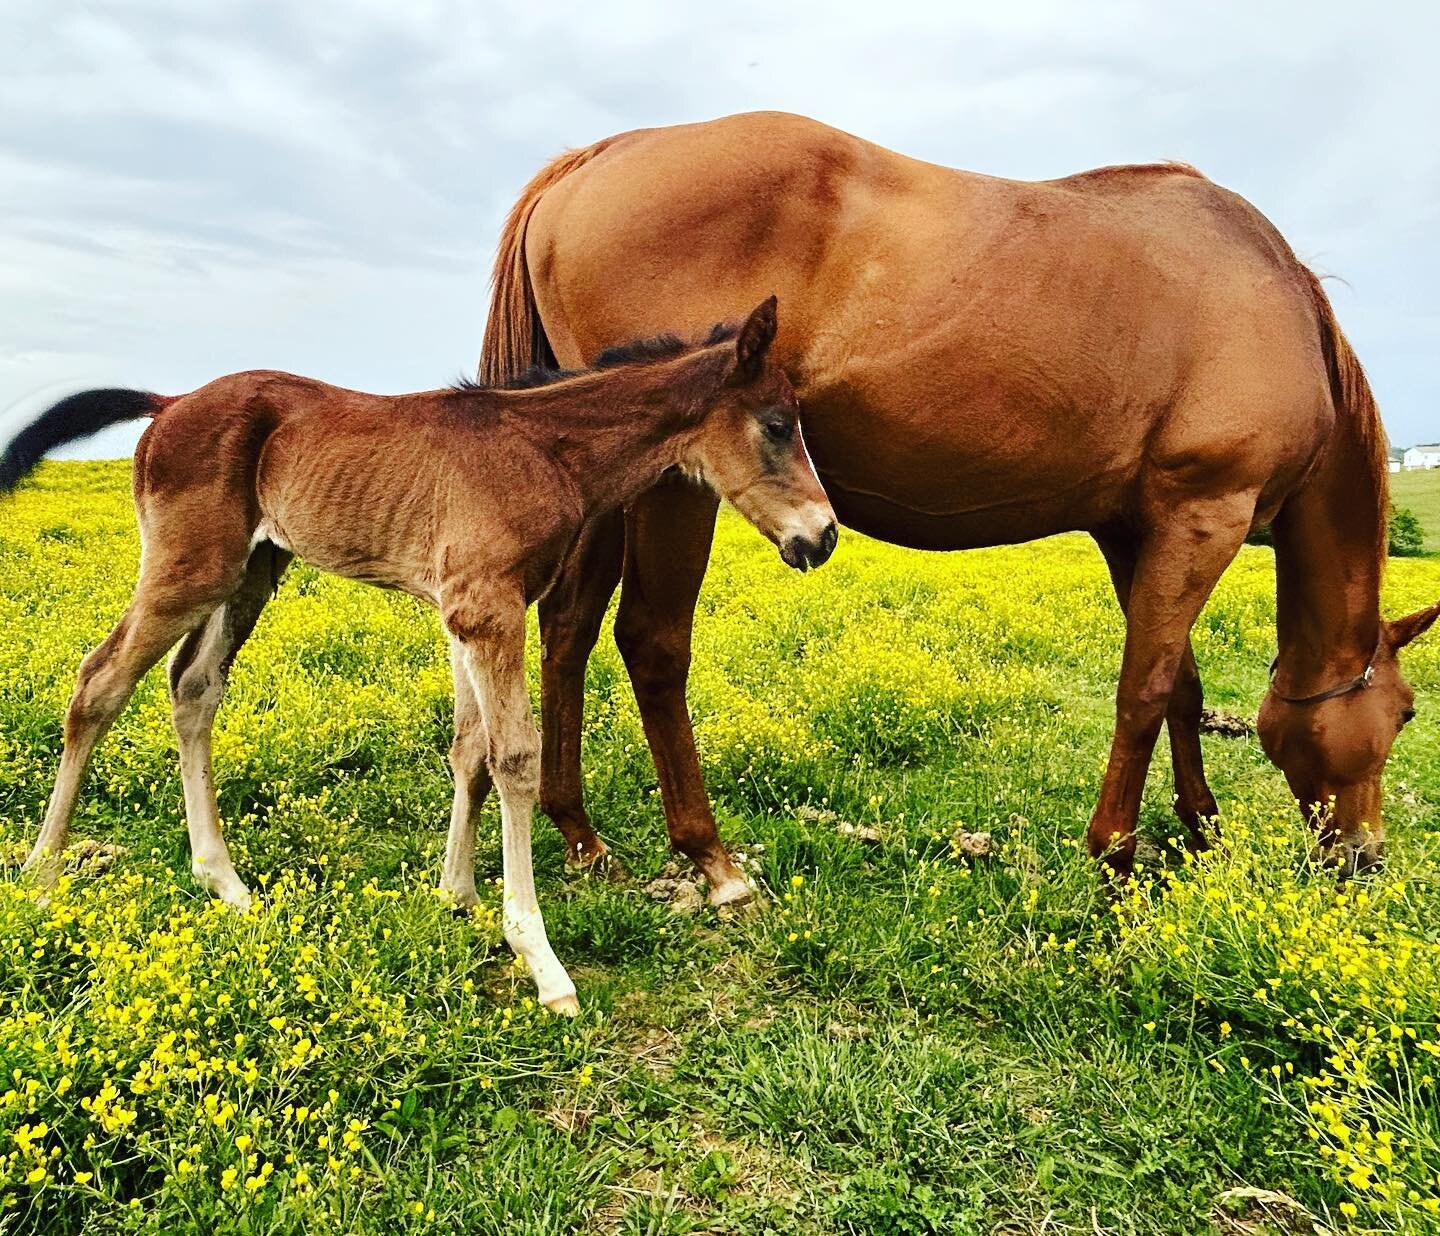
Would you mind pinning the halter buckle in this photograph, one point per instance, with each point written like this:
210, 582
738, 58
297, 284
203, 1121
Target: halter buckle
1358, 683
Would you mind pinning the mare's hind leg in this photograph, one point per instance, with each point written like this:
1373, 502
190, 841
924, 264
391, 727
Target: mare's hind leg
1178, 562
1194, 803
570, 616
470, 762
667, 546
199, 671
156, 618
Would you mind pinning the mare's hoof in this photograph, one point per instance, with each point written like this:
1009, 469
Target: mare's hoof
1348, 859
731, 894
1117, 869
602, 866
1201, 838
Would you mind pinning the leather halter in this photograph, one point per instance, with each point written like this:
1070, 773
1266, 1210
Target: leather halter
1358, 683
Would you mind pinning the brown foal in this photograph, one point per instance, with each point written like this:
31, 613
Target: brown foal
468, 498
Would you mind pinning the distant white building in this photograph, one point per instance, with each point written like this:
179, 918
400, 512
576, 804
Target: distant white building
1425, 456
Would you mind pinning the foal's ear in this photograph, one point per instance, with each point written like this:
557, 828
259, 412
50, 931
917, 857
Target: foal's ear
754, 340
1403, 630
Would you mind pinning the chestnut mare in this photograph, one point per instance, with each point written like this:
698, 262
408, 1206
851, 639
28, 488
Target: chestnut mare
468, 499
1133, 352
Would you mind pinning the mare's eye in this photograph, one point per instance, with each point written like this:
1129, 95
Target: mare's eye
778, 430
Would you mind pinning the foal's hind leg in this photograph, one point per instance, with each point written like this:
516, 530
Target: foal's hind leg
105, 683
199, 671
1178, 563
1194, 803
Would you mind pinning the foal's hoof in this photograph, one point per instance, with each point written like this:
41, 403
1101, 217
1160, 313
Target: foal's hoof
229, 888
42, 871
566, 1005
462, 900
238, 898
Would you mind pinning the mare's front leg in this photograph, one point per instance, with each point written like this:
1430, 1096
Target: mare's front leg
1177, 565
667, 546
490, 630
1194, 802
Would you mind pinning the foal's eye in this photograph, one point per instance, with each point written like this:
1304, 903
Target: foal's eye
778, 430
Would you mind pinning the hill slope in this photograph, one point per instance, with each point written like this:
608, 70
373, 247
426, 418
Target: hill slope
1420, 491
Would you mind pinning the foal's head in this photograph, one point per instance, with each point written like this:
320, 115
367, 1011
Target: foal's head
1332, 746
747, 445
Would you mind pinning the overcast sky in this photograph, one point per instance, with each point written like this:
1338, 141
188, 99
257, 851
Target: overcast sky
187, 189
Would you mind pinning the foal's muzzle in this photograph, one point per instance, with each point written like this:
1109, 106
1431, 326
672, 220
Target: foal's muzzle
803, 554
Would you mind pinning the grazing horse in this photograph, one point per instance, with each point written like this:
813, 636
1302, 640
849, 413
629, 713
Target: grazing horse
467, 498
1133, 352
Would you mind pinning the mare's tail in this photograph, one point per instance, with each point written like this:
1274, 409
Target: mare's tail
514, 335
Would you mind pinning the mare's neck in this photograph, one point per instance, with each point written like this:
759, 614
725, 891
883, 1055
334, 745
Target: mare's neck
1329, 560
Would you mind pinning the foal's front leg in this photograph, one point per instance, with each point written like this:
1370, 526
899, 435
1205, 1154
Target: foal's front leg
470, 762
492, 647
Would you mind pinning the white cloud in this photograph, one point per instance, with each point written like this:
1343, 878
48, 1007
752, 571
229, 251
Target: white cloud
191, 189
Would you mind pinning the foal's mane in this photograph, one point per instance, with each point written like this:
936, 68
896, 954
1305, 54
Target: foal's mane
637, 352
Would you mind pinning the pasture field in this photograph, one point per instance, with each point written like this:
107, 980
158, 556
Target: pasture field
903, 1038
1420, 491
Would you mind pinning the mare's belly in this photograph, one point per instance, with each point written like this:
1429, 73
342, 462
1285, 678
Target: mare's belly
966, 479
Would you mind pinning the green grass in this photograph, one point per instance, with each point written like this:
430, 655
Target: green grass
899, 1040
1420, 492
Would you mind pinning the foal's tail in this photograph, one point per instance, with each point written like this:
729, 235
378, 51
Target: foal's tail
514, 335
75, 416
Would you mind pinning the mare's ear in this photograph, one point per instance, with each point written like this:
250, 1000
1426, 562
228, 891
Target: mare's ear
1403, 630
754, 340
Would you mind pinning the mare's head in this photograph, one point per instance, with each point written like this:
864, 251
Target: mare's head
746, 445
1332, 746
